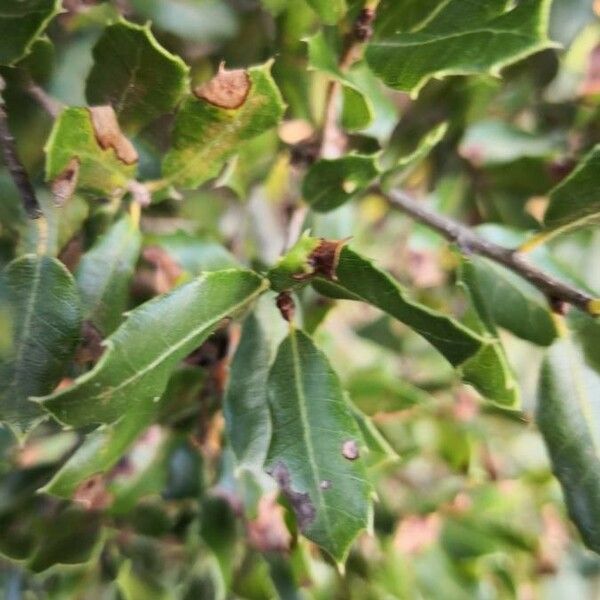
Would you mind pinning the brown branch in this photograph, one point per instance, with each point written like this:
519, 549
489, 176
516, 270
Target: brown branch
333, 140
51, 105
14, 164
469, 242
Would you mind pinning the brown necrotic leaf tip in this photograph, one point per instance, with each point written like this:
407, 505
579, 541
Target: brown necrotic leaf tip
301, 503
109, 134
227, 89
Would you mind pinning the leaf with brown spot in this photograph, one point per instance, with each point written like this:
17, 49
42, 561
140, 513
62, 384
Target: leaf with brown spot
104, 170
109, 134
63, 187
234, 107
311, 423
227, 89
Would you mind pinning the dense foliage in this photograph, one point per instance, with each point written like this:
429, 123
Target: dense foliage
299, 299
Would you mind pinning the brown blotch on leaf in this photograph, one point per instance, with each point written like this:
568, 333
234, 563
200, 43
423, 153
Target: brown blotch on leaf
92, 494
227, 89
301, 503
324, 259
350, 450
109, 134
287, 307
64, 185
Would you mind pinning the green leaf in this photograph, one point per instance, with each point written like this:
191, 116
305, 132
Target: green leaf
67, 538
99, 452
134, 370
509, 301
330, 11
73, 150
458, 38
104, 274
135, 74
358, 109
568, 416
21, 23
331, 183
358, 279
235, 106
45, 312
575, 201
245, 404
315, 448
488, 371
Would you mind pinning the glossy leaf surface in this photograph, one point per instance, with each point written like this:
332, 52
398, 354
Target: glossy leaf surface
133, 371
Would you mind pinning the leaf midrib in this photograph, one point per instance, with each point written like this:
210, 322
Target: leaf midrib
305, 429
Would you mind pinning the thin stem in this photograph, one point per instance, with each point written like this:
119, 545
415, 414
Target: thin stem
470, 243
14, 164
51, 105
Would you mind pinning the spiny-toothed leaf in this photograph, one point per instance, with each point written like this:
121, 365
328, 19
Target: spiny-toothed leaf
567, 414
330, 11
357, 110
231, 108
316, 449
459, 38
21, 23
245, 404
90, 156
340, 273
575, 202
331, 183
509, 301
104, 274
45, 316
136, 75
133, 372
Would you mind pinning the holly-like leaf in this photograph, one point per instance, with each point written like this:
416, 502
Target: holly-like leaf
315, 453
231, 108
45, 317
134, 370
331, 183
457, 38
575, 201
87, 148
567, 415
104, 274
330, 11
509, 301
340, 273
357, 110
21, 23
135, 74
245, 403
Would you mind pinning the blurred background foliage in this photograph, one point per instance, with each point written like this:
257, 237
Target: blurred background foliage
467, 507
